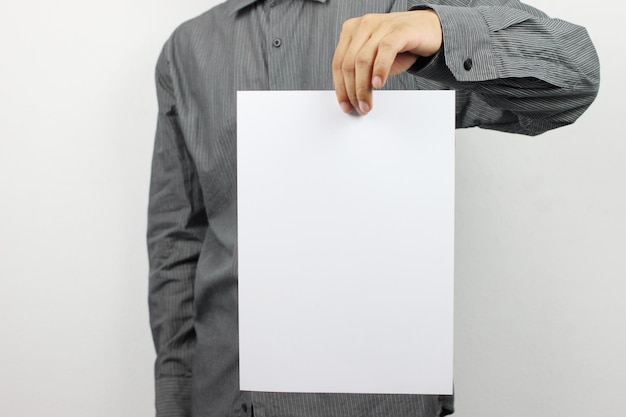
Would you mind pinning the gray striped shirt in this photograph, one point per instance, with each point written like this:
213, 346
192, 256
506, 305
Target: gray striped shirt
514, 70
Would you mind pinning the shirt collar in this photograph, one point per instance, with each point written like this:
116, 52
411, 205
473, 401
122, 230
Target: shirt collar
236, 5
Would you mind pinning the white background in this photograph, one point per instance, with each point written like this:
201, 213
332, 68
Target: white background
541, 228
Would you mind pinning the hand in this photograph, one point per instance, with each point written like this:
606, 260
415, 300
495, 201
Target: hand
374, 47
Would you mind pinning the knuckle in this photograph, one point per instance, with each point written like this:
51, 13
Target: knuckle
348, 24
337, 64
347, 66
387, 42
385, 26
367, 19
362, 61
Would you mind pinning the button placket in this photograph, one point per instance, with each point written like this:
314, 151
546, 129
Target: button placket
275, 56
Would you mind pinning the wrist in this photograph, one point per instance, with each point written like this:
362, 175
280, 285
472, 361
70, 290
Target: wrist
428, 32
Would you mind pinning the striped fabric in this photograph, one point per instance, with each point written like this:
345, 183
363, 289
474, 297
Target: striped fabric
513, 68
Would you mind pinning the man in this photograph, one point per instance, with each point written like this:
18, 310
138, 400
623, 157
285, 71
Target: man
513, 68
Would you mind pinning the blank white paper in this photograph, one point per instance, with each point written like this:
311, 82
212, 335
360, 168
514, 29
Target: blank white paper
345, 243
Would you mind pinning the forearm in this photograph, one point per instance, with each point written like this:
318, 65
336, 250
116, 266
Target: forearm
535, 73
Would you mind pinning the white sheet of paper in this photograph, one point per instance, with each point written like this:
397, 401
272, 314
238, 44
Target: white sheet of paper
346, 243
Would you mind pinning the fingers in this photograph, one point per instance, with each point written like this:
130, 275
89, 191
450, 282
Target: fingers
387, 53
363, 59
350, 69
340, 88
374, 47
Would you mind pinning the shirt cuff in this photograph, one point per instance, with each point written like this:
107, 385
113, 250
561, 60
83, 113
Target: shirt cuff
173, 397
466, 53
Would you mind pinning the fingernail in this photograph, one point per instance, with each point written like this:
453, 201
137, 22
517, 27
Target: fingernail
345, 107
364, 107
377, 82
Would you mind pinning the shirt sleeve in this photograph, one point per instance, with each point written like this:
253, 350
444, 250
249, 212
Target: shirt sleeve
176, 227
514, 68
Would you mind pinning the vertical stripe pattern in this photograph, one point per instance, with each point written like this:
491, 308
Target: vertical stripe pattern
514, 70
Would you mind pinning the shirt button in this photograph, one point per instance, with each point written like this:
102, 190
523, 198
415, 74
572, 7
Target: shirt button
277, 42
468, 64
244, 407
